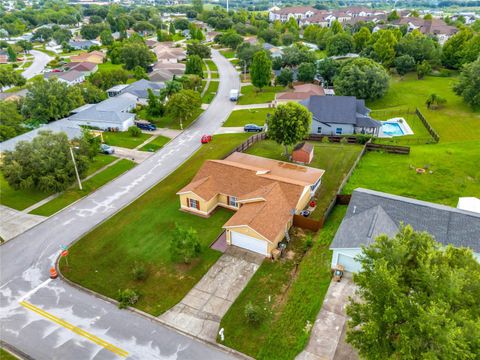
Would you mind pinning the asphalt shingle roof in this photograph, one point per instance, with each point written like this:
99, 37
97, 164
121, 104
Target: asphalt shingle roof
371, 213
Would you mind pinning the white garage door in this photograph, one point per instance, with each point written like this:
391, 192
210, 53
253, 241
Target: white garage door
349, 263
249, 243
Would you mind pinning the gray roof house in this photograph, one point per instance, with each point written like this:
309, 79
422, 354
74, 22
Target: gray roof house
340, 115
82, 44
139, 89
372, 213
111, 113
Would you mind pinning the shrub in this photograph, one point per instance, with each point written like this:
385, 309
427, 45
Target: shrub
139, 271
184, 245
134, 131
362, 138
126, 298
325, 140
308, 243
343, 140
252, 314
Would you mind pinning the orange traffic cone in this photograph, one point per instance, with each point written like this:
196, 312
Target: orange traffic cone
53, 273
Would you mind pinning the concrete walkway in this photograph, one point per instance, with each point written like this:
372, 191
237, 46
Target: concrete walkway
253, 106
132, 154
15, 222
170, 133
326, 337
200, 311
209, 77
230, 130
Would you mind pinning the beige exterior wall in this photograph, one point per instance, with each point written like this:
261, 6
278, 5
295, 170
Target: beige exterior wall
245, 230
304, 199
205, 206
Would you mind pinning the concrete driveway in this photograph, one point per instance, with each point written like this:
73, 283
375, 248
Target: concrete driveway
16, 222
200, 311
132, 154
327, 339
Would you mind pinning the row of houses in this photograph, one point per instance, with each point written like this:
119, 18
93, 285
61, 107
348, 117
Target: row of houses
79, 67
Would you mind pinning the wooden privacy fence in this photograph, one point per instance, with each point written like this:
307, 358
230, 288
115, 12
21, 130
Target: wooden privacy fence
429, 127
394, 149
333, 138
247, 143
306, 223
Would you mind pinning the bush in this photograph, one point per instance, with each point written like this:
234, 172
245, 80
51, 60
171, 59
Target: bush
325, 140
362, 138
308, 243
134, 131
184, 245
343, 140
252, 314
139, 272
126, 298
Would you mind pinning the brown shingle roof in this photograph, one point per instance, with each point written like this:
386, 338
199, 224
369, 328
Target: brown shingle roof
295, 10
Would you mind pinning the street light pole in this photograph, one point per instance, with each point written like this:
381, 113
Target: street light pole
76, 170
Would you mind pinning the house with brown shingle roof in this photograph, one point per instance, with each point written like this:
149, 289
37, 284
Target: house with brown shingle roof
95, 57
300, 92
297, 12
264, 193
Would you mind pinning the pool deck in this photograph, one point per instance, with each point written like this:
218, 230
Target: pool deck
401, 122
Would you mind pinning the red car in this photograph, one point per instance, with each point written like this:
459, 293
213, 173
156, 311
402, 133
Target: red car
206, 139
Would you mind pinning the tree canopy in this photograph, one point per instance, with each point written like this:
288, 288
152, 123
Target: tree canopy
417, 300
194, 65
183, 104
468, 85
261, 70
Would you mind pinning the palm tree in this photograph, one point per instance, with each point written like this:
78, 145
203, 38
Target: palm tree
434, 101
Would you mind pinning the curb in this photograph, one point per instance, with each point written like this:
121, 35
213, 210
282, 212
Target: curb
14, 351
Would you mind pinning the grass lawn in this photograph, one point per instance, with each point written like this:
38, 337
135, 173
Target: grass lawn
98, 162
211, 65
235, 62
141, 233
249, 116
107, 66
251, 95
155, 144
214, 75
456, 121
168, 121
228, 53
454, 173
211, 92
5, 355
19, 199
296, 295
124, 139
71, 195
335, 159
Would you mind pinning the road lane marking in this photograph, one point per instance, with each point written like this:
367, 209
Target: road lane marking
75, 329
28, 294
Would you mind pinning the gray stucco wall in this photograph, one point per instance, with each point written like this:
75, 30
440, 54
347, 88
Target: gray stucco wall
331, 130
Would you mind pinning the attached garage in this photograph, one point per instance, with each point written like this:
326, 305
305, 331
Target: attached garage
249, 243
346, 257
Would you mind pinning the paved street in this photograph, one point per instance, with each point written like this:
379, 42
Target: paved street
56, 321
39, 62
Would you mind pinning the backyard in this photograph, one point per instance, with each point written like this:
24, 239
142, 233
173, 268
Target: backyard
140, 234
335, 159
289, 294
250, 116
252, 95
124, 139
73, 194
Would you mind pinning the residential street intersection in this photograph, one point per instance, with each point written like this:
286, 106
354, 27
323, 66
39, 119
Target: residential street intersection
49, 319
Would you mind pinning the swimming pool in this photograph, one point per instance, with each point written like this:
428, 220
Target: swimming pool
392, 129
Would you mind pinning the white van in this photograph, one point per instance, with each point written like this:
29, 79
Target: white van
234, 94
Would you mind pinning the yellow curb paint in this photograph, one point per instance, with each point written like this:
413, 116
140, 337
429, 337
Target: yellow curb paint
75, 329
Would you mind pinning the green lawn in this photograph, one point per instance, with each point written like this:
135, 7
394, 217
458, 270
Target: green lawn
141, 233
214, 75
454, 166
296, 296
19, 199
107, 66
155, 144
456, 121
99, 162
5, 355
71, 195
124, 139
251, 95
250, 116
228, 53
211, 65
211, 92
335, 159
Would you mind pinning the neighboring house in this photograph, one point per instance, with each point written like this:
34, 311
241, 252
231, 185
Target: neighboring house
436, 27
85, 67
139, 89
166, 71
340, 115
70, 77
300, 93
296, 12
82, 44
167, 53
96, 57
264, 193
111, 113
13, 96
151, 43
273, 50
72, 130
303, 153
372, 213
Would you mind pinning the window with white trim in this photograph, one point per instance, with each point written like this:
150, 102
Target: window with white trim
319, 130
232, 201
193, 203
338, 131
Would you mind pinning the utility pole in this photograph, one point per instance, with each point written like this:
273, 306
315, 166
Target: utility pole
227, 6
76, 170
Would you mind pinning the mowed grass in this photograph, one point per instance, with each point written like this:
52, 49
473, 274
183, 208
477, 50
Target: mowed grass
454, 166
211, 65
102, 260
456, 121
5, 355
249, 116
155, 144
252, 95
291, 292
73, 194
99, 162
229, 54
214, 75
335, 159
19, 199
124, 139
211, 92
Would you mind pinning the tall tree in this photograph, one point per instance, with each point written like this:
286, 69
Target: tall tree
261, 70
289, 124
384, 48
197, 6
404, 64
134, 54
307, 72
11, 121
198, 49
8, 78
183, 105
340, 44
468, 86
417, 300
194, 65
363, 78
453, 49
361, 38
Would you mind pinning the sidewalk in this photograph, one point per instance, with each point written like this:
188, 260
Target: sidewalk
253, 106
15, 222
